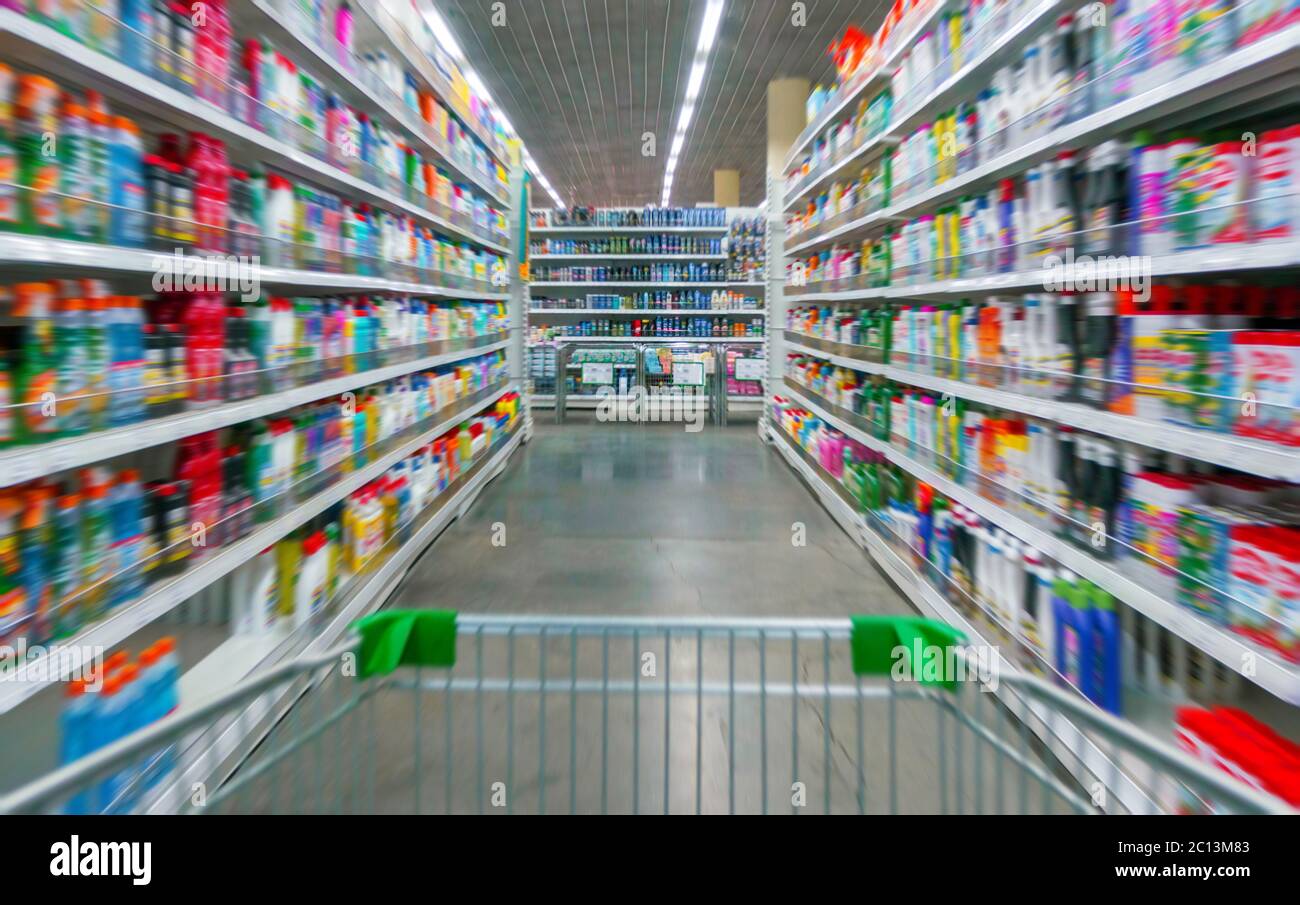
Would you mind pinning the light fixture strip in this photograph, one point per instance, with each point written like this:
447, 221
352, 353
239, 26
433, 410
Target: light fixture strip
694, 84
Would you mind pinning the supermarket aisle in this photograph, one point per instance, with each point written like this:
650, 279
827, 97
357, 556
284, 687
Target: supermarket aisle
603, 520
620, 520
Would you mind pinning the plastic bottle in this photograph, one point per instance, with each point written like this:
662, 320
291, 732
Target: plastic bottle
71, 411
1107, 657
1074, 642
278, 223
1096, 347
127, 185
206, 161
37, 119
171, 528
97, 188
1104, 204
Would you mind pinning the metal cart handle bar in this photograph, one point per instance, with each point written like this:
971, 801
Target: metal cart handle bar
49, 789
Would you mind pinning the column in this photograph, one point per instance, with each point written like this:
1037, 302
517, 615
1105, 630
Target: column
726, 188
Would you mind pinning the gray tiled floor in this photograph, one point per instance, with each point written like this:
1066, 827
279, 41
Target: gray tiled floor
651, 520
618, 520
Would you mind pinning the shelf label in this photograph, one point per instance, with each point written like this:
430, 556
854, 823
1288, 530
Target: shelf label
688, 373
749, 368
598, 372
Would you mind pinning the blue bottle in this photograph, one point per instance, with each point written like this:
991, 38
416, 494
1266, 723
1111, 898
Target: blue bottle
1106, 691
136, 39
1074, 644
74, 737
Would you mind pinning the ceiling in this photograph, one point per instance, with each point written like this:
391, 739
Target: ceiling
582, 80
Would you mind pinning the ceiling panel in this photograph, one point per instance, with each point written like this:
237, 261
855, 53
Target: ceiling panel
583, 80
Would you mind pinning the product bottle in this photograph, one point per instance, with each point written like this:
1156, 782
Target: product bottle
1104, 206
1107, 656
1074, 642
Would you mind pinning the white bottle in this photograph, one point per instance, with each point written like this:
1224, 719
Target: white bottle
254, 594
312, 586
1014, 584
1013, 344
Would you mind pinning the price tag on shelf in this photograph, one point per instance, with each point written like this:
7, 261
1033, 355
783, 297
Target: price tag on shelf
688, 373
749, 368
598, 372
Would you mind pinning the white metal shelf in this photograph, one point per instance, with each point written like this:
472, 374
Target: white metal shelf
1260, 66
838, 295
628, 257
878, 76
26, 463
634, 285
240, 655
730, 312
31, 676
1268, 460
1212, 259
1087, 760
25, 39
624, 230
806, 345
370, 14
1270, 673
37, 251
356, 92
865, 152
647, 339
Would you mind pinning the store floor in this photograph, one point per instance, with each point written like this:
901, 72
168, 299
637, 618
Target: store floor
618, 520
648, 520
609, 521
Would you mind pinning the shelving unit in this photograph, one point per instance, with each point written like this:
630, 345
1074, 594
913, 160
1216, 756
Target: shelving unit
657, 339
1062, 738
27, 42
40, 254
125, 621
213, 664
26, 463
544, 315
1274, 675
1244, 83
347, 77
1256, 72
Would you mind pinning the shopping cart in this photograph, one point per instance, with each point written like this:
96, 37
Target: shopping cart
434, 712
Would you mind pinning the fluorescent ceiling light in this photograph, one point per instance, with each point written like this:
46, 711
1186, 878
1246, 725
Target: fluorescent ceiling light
696, 80
708, 34
709, 28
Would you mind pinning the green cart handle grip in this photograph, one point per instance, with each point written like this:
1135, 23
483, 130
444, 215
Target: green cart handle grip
393, 638
876, 642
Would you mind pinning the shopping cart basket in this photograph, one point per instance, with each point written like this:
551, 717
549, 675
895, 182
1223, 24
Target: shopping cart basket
430, 711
